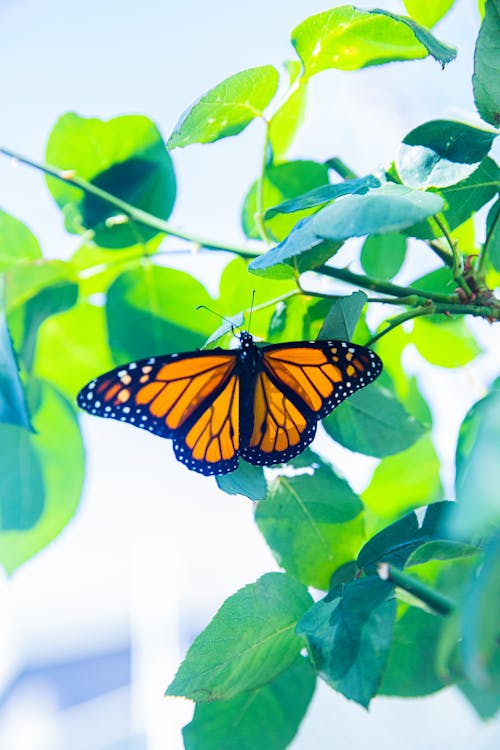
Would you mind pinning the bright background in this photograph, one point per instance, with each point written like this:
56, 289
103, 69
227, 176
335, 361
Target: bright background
93, 628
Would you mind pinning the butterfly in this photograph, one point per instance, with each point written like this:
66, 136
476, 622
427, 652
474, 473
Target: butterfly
258, 403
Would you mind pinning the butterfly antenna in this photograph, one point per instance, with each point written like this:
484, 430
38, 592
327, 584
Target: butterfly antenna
251, 311
214, 312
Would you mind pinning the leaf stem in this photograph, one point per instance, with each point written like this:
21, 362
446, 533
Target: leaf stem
135, 214
259, 196
457, 266
440, 603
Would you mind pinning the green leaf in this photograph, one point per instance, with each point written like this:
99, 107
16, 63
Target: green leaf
493, 235
298, 319
398, 541
312, 521
343, 317
469, 195
227, 108
411, 667
13, 408
247, 480
486, 78
427, 12
445, 342
17, 243
348, 38
59, 450
385, 209
86, 352
324, 194
22, 493
287, 119
98, 267
349, 634
248, 643
26, 280
441, 549
486, 700
481, 617
152, 310
440, 153
407, 480
281, 182
267, 717
377, 424
478, 469
124, 156
301, 251
383, 255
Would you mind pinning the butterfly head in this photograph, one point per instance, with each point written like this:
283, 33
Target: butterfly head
246, 340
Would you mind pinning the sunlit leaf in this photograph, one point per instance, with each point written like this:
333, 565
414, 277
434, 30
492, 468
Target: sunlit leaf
383, 255
444, 341
227, 108
427, 12
287, 119
17, 243
249, 642
486, 78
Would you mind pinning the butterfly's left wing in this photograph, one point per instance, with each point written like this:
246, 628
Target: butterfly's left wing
298, 384
191, 398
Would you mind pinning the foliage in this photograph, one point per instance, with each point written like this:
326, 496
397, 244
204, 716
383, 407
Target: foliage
408, 595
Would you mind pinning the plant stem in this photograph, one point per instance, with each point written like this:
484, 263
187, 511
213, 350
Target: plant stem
440, 251
259, 195
440, 603
385, 287
340, 168
457, 266
136, 214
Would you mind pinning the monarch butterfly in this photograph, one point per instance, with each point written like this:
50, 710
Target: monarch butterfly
258, 403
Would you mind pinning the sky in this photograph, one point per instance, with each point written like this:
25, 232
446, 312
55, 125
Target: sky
155, 549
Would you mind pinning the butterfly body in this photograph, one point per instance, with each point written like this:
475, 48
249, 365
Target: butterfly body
258, 403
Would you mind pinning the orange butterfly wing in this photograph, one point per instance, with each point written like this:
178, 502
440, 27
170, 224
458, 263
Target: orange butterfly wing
298, 384
192, 398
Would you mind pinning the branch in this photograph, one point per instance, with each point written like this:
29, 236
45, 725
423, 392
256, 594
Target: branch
440, 603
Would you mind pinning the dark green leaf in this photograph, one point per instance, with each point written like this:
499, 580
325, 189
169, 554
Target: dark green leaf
13, 409
407, 480
312, 521
281, 182
59, 449
486, 699
301, 251
247, 480
427, 12
287, 119
343, 317
268, 717
249, 642
17, 243
385, 209
227, 108
348, 38
493, 234
478, 469
469, 195
486, 78
411, 666
397, 542
374, 422
349, 634
383, 255
125, 156
152, 310
441, 549
441, 153
324, 194
22, 492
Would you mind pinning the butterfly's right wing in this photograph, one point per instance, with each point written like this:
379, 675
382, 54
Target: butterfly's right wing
191, 398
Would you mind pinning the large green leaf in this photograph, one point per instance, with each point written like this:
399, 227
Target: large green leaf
25, 280
324, 194
427, 12
249, 642
152, 310
285, 122
13, 408
441, 153
349, 634
301, 251
486, 78
22, 493
267, 717
374, 422
228, 108
348, 38
124, 156
385, 209
493, 234
98, 267
444, 341
17, 243
383, 255
59, 450
407, 480
281, 182
312, 521
86, 351
478, 469
467, 196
